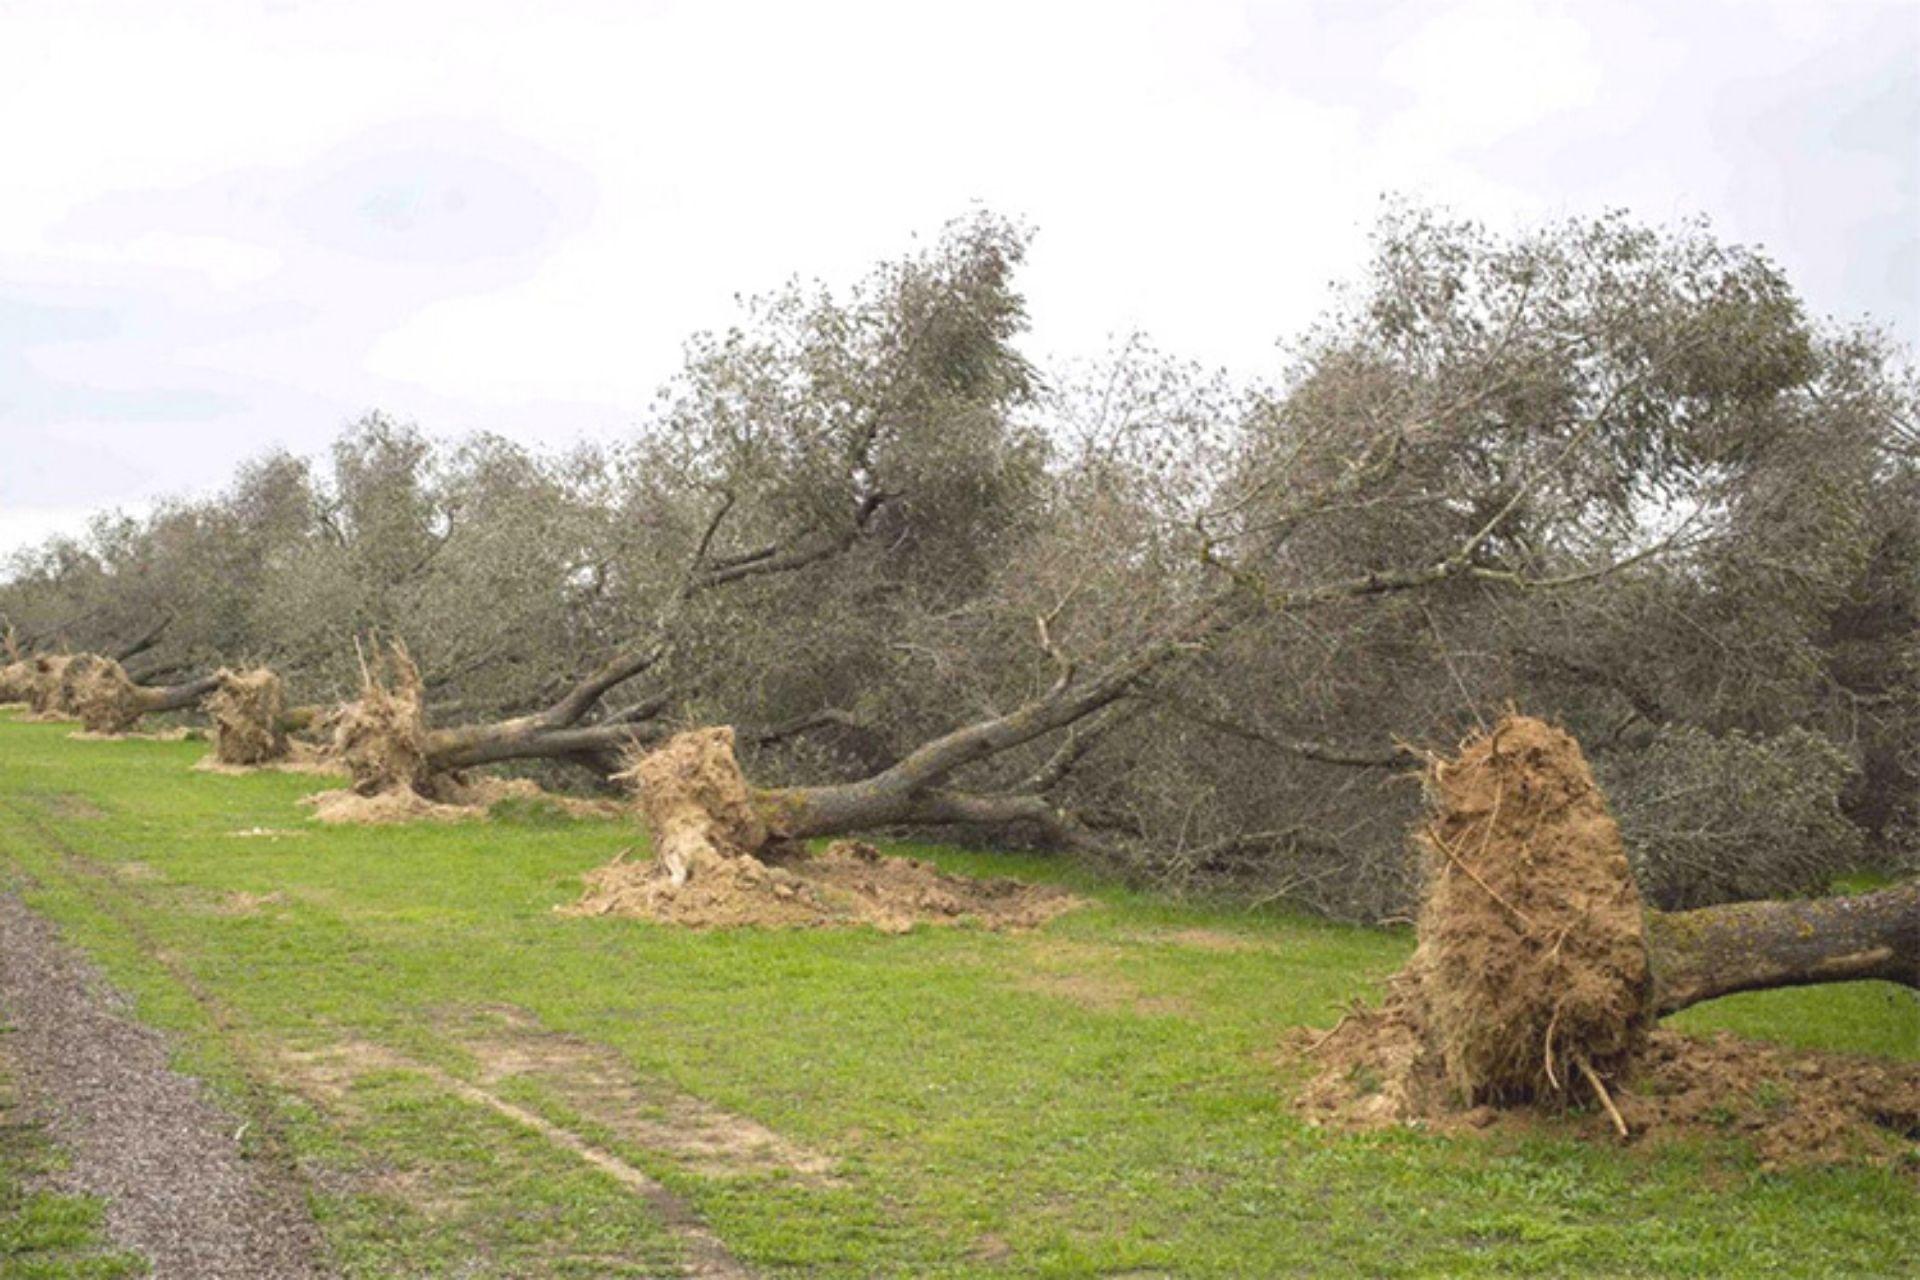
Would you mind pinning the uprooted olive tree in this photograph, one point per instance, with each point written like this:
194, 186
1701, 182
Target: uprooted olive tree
1540, 974
1603, 470
98, 691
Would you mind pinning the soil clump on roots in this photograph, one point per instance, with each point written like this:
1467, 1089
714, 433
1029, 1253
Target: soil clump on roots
99, 691
247, 709
722, 861
16, 673
1529, 995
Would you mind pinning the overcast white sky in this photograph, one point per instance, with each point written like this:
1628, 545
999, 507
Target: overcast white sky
225, 226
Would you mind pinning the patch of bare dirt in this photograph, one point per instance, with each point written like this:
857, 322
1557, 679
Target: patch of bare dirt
850, 883
242, 903
596, 1082
266, 833
328, 1075
384, 808
1215, 940
1104, 993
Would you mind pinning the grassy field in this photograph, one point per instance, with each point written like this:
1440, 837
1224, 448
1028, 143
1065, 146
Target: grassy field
1100, 1098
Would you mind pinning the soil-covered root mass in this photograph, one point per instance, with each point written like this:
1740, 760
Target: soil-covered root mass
1532, 969
99, 691
381, 737
721, 860
1530, 989
16, 682
247, 709
848, 883
45, 686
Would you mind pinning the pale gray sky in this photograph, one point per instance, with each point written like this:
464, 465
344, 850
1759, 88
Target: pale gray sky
225, 226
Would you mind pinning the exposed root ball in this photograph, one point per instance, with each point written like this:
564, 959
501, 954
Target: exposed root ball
247, 709
44, 684
16, 681
99, 691
697, 803
721, 862
382, 737
1532, 968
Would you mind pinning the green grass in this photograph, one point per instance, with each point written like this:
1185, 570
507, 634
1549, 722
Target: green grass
1098, 1098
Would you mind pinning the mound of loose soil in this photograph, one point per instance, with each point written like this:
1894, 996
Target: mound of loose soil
1532, 970
459, 800
848, 884
246, 710
1792, 1106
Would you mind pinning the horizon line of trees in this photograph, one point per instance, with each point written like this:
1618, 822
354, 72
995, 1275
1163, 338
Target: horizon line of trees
1610, 474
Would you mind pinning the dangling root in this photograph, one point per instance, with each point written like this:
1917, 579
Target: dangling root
1599, 1087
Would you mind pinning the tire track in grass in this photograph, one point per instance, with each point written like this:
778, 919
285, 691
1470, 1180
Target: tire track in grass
707, 1256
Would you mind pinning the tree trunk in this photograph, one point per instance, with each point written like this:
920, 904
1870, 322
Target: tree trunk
177, 696
1757, 946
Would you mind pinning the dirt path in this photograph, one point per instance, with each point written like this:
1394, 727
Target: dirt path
149, 1141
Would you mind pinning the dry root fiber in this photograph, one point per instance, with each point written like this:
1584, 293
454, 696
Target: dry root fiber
16, 682
1531, 985
16, 673
247, 709
44, 685
721, 863
1533, 971
100, 693
381, 737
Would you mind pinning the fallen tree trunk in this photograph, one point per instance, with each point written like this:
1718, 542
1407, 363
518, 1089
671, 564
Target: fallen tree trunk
1758, 946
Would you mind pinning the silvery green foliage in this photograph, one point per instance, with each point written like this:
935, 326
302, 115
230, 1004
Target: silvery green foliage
1717, 818
1555, 403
